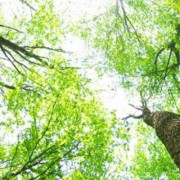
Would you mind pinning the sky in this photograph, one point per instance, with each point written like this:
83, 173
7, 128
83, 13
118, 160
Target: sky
108, 85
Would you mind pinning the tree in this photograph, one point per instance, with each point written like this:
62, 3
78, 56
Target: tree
141, 40
51, 124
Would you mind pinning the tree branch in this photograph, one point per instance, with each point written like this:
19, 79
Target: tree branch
58, 159
166, 69
16, 48
4, 52
156, 58
44, 47
27, 4
11, 28
7, 86
126, 19
133, 116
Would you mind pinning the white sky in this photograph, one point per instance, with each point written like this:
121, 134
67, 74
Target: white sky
107, 85
76, 9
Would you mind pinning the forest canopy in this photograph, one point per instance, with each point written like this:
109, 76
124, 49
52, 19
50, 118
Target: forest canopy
53, 125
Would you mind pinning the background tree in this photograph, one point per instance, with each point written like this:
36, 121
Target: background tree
141, 42
51, 124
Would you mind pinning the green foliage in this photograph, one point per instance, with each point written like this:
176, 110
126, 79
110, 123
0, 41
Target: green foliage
139, 154
136, 37
141, 43
51, 124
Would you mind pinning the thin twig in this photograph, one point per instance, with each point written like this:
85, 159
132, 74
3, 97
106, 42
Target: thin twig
4, 52
126, 19
11, 28
43, 134
166, 69
156, 58
133, 116
44, 47
27, 4
54, 162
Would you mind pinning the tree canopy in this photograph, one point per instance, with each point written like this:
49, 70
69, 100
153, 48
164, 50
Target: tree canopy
53, 126
141, 41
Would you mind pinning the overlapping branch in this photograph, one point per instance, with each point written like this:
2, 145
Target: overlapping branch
37, 159
127, 21
11, 50
170, 65
20, 51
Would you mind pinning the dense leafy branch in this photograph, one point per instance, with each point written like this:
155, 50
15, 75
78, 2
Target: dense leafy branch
44, 132
36, 161
29, 164
11, 50
39, 159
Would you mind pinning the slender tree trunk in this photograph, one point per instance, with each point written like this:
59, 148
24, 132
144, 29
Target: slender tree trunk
167, 127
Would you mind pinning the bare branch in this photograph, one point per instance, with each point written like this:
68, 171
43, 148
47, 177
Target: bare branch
4, 52
135, 107
4, 26
15, 47
44, 47
125, 16
27, 4
156, 58
126, 19
133, 116
166, 69
15, 59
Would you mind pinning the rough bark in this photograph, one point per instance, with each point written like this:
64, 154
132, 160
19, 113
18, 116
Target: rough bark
167, 127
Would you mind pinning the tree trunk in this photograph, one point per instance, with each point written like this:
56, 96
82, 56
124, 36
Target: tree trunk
167, 127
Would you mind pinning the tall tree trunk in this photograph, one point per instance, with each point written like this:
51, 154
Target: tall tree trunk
167, 127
